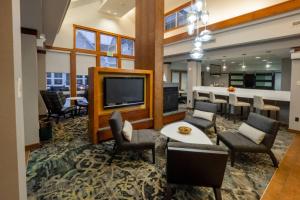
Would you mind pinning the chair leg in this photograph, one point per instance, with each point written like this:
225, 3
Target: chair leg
232, 157
269, 113
153, 155
215, 127
168, 194
217, 192
277, 115
218, 140
273, 158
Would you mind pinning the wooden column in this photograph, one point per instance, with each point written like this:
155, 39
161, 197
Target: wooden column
73, 80
149, 48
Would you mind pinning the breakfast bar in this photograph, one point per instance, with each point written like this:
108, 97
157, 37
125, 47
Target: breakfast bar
279, 98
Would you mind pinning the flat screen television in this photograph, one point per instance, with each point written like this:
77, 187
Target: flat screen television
123, 91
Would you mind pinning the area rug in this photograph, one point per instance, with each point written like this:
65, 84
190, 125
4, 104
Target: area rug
69, 167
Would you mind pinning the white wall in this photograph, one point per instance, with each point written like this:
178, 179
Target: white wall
30, 89
260, 31
295, 95
12, 147
88, 16
42, 81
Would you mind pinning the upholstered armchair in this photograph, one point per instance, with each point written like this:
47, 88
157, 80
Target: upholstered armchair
141, 139
204, 124
237, 142
55, 102
197, 165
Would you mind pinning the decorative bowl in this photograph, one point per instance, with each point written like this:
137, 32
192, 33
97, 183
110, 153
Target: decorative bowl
184, 130
231, 89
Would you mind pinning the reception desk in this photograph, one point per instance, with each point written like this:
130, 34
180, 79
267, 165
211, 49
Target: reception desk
279, 98
272, 95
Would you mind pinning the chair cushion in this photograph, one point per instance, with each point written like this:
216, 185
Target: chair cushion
219, 101
238, 142
127, 130
271, 107
203, 115
252, 133
242, 104
200, 98
141, 139
200, 123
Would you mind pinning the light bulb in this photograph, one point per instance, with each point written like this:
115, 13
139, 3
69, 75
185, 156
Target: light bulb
268, 65
198, 5
205, 35
196, 53
244, 66
198, 42
205, 17
207, 68
224, 67
192, 17
191, 29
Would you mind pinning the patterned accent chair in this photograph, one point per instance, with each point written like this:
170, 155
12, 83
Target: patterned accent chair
57, 100
239, 143
141, 139
197, 165
204, 124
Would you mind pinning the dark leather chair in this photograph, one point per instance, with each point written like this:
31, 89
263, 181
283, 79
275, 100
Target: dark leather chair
239, 143
46, 101
197, 165
141, 140
56, 101
204, 124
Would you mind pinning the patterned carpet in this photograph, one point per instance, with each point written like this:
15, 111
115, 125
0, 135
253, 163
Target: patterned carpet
71, 168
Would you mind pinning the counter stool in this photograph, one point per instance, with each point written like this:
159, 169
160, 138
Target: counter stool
233, 101
198, 97
258, 103
212, 99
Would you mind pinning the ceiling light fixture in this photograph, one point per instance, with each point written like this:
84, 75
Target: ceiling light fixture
244, 66
207, 68
198, 11
224, 65
257, 57
268, 66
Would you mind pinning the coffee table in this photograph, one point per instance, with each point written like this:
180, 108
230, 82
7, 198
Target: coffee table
195, 137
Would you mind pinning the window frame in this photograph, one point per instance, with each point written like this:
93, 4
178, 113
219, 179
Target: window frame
176, 11
98, 52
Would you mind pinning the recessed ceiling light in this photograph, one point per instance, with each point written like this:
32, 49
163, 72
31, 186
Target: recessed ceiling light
264, 60
108, 11
232, 62
257, 57
115, 13
74, 0
268, 65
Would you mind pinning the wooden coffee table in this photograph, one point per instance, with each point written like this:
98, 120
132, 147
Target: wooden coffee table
195, 137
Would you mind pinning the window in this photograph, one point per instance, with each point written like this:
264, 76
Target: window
170, 21
106, 61
177, 18
127, 47
180, 77
127, 64
58, 81
82, 82
85, 39
182, 16
108, 43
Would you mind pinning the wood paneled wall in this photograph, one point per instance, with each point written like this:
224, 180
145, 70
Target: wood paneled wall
149, 48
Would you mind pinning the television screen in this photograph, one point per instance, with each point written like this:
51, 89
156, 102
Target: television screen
123, 91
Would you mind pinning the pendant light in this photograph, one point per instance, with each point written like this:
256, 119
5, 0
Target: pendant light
244, 66
198, 5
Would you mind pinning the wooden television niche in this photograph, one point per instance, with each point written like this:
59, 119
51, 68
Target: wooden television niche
141, 116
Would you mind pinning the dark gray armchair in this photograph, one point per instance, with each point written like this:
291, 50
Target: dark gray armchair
204, 124
141, 139
238, 143
197, 165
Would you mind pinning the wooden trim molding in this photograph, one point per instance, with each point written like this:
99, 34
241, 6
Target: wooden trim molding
277, 9
294, 131
59, 48
178, 8
32, 147
29, 31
